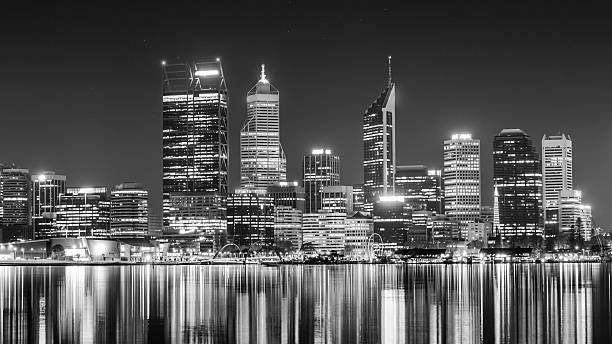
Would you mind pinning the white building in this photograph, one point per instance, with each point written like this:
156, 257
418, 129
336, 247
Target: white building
574, 217
129, 210
477, 231
262, 159
557, 175
462, 178
337, 198
324, 230
359, 228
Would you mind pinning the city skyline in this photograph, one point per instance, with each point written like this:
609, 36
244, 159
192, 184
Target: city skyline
453, 97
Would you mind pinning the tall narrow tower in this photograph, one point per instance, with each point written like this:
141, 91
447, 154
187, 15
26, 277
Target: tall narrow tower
195, 151
262, 160
557, 176
379, 145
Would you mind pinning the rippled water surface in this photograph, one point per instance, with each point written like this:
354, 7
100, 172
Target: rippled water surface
539, 303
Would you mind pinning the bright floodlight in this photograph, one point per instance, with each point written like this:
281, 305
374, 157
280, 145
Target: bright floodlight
163, 63
205, 73
218, 59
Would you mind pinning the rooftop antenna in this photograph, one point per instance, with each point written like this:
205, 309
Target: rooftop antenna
390, 78
263, 74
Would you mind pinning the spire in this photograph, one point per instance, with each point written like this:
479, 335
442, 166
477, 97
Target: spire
263, 74
390, 78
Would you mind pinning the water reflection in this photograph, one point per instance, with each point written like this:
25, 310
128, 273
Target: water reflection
546, 303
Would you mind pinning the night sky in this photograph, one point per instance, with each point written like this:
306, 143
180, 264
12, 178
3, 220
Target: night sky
80, 89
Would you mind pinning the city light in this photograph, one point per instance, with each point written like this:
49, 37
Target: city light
207, 73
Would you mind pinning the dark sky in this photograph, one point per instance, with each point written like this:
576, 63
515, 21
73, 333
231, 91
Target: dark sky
80, 88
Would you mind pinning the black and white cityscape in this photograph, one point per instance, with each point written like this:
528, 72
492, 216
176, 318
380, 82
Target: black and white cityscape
436, 173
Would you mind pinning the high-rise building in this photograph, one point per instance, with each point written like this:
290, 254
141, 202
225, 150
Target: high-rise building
358, 197
320, 169
129, 211
83, 212
337, 198
418, 235
359, 226
462, 178
574, 217
250, 217
443, 229
557, 175
195, 149
262, 159
379, 145
46, 190
421, 187
15, 189
288, 226
289, 194
517, 176
324, 231
392, 221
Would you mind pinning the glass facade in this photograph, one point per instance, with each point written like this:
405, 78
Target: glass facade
557, 176
422, 187
46, 190
250, 217
84, 212
517, 175
15, 188
320, 169
129, 211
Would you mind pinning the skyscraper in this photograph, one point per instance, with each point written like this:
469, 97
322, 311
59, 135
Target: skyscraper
557, 175
250, 217
129, 211
195, 149
379, 145
320, 169
15, 188
574, 217
462, 178
421, 186
517, 175
84, 212
262, 159
46, 190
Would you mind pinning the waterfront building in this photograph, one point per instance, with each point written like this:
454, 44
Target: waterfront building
418, 235
517, 176
443, 229
421, 186
462, 178
358, 197
287, 227
46, 190
337, 198
15, 189
83, 212
574, 217
262, 159
129, 211
319, 169
379, 145
557, 176
195, 150
324, 231
359, 226
250, 217
478, 231
289, 194
392, 220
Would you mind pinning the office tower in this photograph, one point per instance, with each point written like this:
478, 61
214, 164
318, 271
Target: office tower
392, 220
462, 178
358, 197
320, 169
129, 211
250, 217
379, 145
359, 226
443, 229
46, 190
83, 212
195, 149
15, 188
337, 198
574, 217
557, 175
262, 159
518, 178
324, 231
287, 227
418, 235
289, 194
421, 186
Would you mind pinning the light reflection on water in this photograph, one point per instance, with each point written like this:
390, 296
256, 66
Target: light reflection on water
545, 303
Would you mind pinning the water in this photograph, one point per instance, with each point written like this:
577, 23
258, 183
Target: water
537, 303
